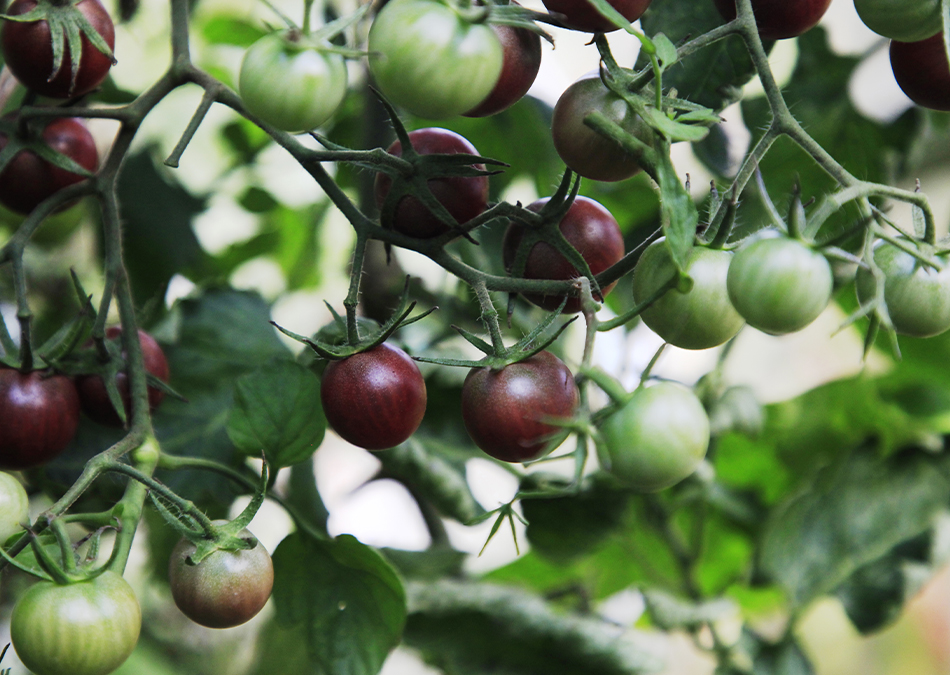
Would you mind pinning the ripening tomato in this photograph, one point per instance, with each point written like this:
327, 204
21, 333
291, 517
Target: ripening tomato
581, 14
39, 415
779, 19
520, 66
904, 20
922, 71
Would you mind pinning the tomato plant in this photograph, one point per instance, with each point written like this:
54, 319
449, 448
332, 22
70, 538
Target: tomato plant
291, 84
82, 628
28, 52
225, 589
585, 151
779, 285
463, 196
779, 19
40, 413
374, 399
917, 296
906, 21
520, 64
509, 412
92, 391
922, 71
581, 14
700, 318
14, 506
589, 228
657, 437
29, 179
430, 60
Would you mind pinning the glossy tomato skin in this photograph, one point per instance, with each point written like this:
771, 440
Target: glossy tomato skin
14, 507
701, 318
586, 152
429, 60
904, 20
39, 415
590, 228
84, 628
27, 50
917, 296
504, 410
520, 65
92, 391
289, 85
922, 71
779, 19
657, 438
465, 197
374, 399
225, 589
27, 180
779, 285
582, 16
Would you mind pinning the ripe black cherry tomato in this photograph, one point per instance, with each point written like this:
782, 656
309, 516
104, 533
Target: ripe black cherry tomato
582, 16
779, 19
374, 399
505, 411
39, 415
28, 51
589, 228
522, 60
463, 196
27, 180
922, 71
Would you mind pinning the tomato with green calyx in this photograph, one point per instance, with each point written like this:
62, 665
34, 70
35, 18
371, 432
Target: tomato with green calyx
588, 227
904, 20
465, 197
779, 19
430, 60
28, 52
657, 437
779, 285
83, 628
14, 507
581, 14
290, 84
29, 179
225, 589
508, 412
39, 415
922, 71
700, 318
520, 65
917, 295
585, 151
374, 399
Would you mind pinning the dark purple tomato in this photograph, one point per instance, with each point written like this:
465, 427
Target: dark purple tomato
779, 19
27, 49
92, 391
463, 196
589, 228
582, 16
506, 411
922, 71
522, 60
375, 399
27, 180
39, 415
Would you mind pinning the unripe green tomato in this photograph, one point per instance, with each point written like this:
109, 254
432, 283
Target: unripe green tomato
14, 507
701, 318
428, 59
657, 438
917, 296
779, 285
291, 85
904, 20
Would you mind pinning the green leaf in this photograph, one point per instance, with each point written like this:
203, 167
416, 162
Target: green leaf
342, 599
277, 409
226, 30
670, 612
678, 211
673, 130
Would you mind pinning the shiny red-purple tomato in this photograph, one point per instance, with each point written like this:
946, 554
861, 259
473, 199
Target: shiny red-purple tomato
922, 71
779, 19
39, 415
28, 52
374, 399
522, 60
92, 391
27, 180
582, 16
506, 411
589, 227
463, 196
